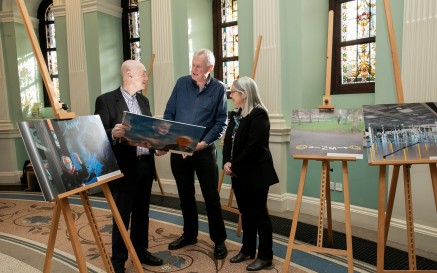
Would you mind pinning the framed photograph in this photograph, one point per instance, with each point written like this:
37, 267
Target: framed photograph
68, 154
161, 134
337, 134
401, 132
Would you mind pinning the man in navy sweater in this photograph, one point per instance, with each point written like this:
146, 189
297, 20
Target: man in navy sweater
199, 99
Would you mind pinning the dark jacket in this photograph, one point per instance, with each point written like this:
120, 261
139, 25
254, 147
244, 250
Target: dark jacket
252, 161
110, 106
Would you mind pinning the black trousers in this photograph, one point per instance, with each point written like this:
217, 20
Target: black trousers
133, 206
204, 164
252, 205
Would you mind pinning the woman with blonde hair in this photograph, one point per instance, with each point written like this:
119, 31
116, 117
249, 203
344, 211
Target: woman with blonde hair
247, 159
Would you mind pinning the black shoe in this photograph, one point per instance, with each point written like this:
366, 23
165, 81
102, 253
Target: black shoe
240, 257
181, 242
119, 270
149, 259
259, 265
220, 251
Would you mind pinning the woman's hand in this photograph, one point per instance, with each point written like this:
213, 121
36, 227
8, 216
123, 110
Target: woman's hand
227, 169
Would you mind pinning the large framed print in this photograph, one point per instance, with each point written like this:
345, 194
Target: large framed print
328, 134
401, 132
161, 134
68, 154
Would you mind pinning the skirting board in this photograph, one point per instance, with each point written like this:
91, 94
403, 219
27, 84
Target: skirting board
426, 236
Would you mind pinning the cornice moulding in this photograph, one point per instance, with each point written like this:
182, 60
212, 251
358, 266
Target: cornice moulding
15, 17
112, 7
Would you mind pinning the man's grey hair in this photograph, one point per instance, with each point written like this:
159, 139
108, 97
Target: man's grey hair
210, 59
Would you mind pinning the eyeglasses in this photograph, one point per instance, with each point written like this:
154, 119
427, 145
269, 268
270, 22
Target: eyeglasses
234, 91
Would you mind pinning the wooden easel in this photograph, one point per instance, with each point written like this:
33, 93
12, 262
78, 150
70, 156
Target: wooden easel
63, 204
57, 106
228, 205
62, 199
325, 198
149, 74
384, 216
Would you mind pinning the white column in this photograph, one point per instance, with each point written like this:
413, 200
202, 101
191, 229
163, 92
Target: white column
163, 77
268, 77
162, 42
268, 74
78, 79
8, 132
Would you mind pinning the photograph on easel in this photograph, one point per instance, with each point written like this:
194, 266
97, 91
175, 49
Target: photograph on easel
161, 134
68, 154
327, 133
401, 132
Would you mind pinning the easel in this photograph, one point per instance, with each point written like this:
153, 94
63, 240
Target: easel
149, 74
63, 204
62, 199
384, 216
325, 197
228, 205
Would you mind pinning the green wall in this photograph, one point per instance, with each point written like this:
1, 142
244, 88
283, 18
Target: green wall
303, 33
104, 60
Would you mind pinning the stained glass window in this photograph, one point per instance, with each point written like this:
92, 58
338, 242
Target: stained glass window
48, 46
226, 41
131, 30
29, 86
354, 63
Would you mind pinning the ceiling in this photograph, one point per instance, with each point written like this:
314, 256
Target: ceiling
400, 116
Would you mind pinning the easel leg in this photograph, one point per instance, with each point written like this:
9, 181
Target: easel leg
409, 218
325, 169
159, 182
121, 227
433, 171
222, 175
350, 258
72, 231
229, 207
52, 237
381, 219
96, 233
328, 206
391, 199
295, 216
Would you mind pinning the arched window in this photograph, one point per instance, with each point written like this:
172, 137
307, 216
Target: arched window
225, 24
47, 41
131, 30
354, 47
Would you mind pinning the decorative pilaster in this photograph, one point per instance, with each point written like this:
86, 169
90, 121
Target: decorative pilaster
268, 77
8, 132
162, 47
77, 69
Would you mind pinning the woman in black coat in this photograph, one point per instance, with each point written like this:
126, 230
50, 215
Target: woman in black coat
247, 159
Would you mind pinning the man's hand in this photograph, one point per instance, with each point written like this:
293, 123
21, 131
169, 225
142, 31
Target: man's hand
119, 130
160, 152
201, 145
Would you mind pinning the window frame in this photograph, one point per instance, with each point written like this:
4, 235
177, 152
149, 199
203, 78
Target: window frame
127, 40
42, 23
218, 41
337, 88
